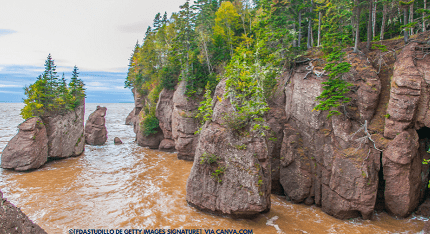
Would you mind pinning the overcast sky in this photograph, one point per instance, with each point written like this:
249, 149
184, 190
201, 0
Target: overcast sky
95, 35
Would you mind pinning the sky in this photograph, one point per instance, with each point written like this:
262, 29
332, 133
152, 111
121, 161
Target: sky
98, 36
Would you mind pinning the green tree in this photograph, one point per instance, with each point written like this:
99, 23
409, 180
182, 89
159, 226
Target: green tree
49, 95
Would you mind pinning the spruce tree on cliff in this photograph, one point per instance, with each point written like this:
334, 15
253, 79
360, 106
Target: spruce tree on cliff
51, 95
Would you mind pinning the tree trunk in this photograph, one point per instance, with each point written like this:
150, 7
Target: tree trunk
424, 15
319, 29
384, 19
369, 25
405, 21
411, 16
309, 41
357, 30
300, 28
374, 20
294, 41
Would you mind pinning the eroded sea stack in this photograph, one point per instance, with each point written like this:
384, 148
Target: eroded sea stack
54, 135
95, 129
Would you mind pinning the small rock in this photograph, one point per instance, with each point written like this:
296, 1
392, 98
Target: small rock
424, 209
167, 145
309, 201
117, 141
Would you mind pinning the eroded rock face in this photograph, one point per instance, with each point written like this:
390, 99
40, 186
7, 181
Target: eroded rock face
139, 101
164, 112
404, 185
323, 161
95, 129
408, 109
231, 173
183, 123
28, 149
14, 221
406, 87
66, 133
129, 120
276, 119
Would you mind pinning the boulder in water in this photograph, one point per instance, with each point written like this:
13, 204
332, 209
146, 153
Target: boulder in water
167, 145
95, 129
117, 141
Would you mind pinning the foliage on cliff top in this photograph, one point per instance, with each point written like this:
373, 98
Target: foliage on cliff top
49, 94
198, 43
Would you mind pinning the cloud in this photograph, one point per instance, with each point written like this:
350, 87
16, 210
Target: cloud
135, 27
14, 92
9, 86
4, 32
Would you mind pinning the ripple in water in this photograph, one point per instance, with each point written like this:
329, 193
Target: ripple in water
127, 186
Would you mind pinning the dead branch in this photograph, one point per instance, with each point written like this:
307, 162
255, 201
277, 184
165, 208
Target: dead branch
364, 139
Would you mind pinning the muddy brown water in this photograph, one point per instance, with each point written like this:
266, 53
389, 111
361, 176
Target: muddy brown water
127, 186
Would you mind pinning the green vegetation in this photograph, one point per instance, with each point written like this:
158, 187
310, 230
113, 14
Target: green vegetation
240, 147
248, 43
382, 48
205, 109
426, 161
208, 158
335, 89
218, 173
49, 94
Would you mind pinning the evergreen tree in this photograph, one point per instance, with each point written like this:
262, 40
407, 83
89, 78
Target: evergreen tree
49, 95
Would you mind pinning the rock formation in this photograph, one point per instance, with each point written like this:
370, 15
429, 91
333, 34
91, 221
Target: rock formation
276, 119
322, 160
95, 129
130, 118
345, 164
184, 125
408, 110
65, 133
117, 141
28, 149
163, 113
231, 172
138, 105
152, 141
14, 221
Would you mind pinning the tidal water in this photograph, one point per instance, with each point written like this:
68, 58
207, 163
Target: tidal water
127, 186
